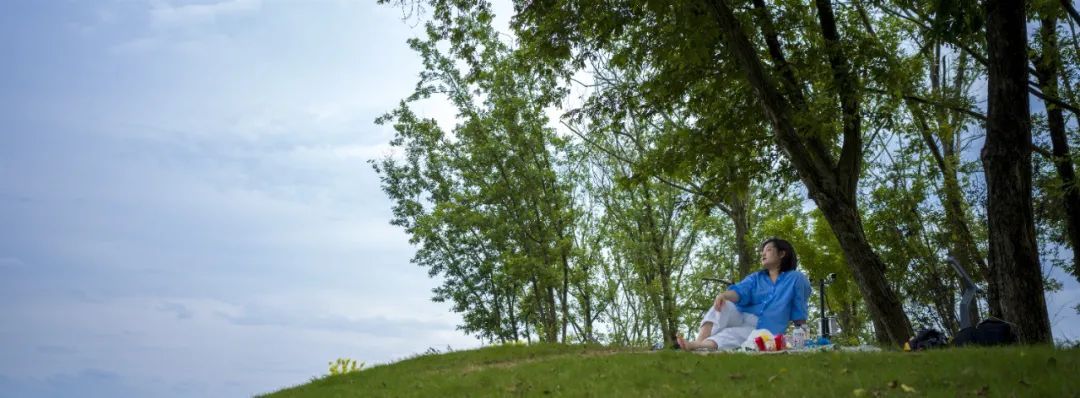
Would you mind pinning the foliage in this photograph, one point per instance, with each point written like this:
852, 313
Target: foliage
676, 160
484, 202
342, 366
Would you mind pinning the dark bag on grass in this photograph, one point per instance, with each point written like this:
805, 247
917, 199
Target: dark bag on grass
928, 338
991, 331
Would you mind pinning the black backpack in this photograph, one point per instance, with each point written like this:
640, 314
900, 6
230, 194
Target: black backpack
991, 331
928, 338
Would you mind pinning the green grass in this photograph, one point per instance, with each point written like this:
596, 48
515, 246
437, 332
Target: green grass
582, 371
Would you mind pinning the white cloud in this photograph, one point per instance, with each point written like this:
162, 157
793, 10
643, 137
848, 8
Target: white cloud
106, 16
203, 194
181, 311
219, 346
87, 383
165, 14
136, 45
334, 154
181, 27
438, 108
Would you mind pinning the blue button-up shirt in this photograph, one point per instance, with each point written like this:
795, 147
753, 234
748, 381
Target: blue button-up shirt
775, 304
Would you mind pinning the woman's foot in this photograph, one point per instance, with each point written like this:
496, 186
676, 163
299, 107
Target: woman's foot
682, 342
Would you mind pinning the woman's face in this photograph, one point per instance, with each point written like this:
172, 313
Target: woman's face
770, 257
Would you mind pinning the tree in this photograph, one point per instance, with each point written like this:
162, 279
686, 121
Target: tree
910, 231
690, 147
648, 227
961, 24
831, 183
1014, 255
1048, 68
485, 202
687, 97
682, 41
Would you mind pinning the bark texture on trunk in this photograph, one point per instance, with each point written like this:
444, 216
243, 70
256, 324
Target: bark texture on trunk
740, 215
867, 268
1006, 156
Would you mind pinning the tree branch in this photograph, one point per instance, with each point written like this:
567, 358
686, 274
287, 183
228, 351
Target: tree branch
1052, 99
692, 189
776, 52
776, 108
924, 130
846, 85
1042, 151
984, 62
1067, 4
921, 100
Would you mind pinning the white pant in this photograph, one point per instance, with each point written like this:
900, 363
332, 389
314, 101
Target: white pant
730, 327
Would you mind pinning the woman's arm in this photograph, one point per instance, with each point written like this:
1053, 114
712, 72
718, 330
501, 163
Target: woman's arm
738, 293
729, 295
801, 300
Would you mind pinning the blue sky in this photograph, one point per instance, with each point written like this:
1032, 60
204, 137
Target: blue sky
188, 210
186, 202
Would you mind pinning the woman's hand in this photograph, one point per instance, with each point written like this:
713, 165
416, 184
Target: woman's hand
729, 295
719, 303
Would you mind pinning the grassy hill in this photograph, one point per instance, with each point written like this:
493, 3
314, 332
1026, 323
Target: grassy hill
579, 371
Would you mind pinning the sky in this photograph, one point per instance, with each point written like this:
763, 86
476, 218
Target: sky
186, 203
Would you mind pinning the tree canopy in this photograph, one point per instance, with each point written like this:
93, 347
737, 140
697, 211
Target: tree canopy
880, 137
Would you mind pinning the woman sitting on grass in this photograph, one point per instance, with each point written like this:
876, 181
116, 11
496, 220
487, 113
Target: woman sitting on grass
767, 299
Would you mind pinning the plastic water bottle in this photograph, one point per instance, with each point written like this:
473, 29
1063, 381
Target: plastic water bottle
798, 337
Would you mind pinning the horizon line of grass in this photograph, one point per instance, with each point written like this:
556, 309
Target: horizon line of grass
593, 370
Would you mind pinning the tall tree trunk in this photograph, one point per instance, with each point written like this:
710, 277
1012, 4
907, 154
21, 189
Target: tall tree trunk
587, 311
656, 304
551, 317
537, 313
1006, 156
668, 321
657, 240
740, 215
546, 320
880, 331
565, 290
498, 331
867, 268
510, 309
832, 184
669, 239
1047, 68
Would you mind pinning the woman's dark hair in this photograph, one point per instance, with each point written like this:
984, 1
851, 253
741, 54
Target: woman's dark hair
788, 262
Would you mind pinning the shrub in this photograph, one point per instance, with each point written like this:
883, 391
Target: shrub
344, 365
